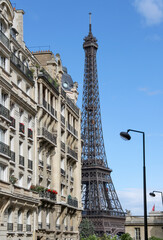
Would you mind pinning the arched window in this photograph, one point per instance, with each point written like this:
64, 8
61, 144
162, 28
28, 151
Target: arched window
28, 226
10, 220
20, 220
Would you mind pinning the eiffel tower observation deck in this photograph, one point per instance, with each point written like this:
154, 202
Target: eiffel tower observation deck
100, 201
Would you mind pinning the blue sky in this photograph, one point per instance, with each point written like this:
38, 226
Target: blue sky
130, 73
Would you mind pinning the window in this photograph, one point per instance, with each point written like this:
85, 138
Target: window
3, 172
21, 115
3, 62
20, 179
47, 217
3, 99
29, 218
71, 171
19, 217
21, 148
137, 233
29, 182
48, 183
29, 153
62, 190
39, 216
19, 82
2, 135
12, 143
10, 211
62, 163
2, 26
27, 90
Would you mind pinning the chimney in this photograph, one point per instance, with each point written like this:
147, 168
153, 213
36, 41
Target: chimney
18, 25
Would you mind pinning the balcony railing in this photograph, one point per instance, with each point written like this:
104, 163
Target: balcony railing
20, 227
49, 108
63, 146
21, 128
63, 172
20, 65
72, 129
4, 112
12, 124
4, 39
21, 160
39, 225
47, 196
72, 202
28, 228
12, 155
46, 134
4, 149
62, 119
30, 133
70, 102
41, 163
30, 164
72, 153
53, 82
48, 166
10, 226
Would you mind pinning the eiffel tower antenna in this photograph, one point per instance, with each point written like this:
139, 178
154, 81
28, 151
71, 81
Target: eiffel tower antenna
100, 201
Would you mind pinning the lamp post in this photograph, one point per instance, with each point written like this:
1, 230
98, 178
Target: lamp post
126, 136
152, 194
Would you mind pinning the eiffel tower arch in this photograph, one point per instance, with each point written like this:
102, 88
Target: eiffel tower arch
100, 201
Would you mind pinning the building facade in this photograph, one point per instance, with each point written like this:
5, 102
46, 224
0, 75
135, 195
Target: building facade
40, 142
134, 225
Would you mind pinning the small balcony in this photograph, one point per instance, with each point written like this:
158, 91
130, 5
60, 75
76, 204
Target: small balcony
12, 124
71, 153
45, 135
12, 155
4, 112
21, 160
21, 67
4, 149
72, 129
63, 172
21, 128
20, 227
30, 164
4, 39
10, 226
63, 146
30, 133
48, 167
62, 119
46, 196
72, 201
28, 228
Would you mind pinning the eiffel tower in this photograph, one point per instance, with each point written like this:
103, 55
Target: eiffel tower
100, 201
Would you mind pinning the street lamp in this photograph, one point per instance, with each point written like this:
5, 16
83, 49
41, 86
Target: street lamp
126, 136
152, 194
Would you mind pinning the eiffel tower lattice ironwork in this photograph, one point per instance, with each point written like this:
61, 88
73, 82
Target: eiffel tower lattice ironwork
100, 201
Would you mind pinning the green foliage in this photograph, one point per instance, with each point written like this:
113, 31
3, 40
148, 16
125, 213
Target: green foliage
126, 236
86, 230
155, 238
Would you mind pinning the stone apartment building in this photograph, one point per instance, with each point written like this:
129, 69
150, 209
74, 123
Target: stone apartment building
40, 141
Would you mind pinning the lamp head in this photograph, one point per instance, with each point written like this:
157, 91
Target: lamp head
152, 194
125, 135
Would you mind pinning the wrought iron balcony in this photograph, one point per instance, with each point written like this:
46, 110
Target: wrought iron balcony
4, 112
21, 128
20, 227
12, 155
41, 163
63, 172
48, 166
21, 160
72, 129
4, 149
44, 133
62, 119
63, 146
58, 227
70, 102
72, 153
12, 124
10, 226
30, 133
20, 65
49, 108
72, 202
53, 82
4, 39
28, 228
47, 196
30, 164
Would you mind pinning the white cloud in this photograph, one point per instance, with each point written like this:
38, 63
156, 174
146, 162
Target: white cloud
150, 93
151, 10
132, 199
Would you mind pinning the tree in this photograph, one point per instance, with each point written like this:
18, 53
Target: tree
86, 229
126, 236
